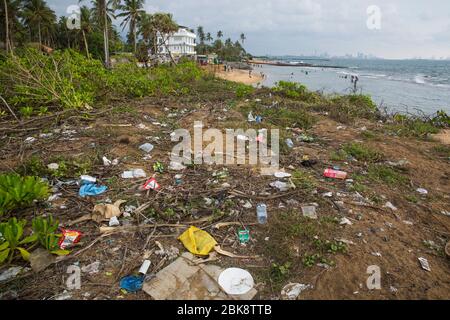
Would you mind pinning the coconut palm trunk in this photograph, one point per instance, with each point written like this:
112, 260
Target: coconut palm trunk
7, 43
40, 36
106, 36
85, 44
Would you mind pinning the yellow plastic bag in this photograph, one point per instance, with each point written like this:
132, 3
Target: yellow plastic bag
197, 241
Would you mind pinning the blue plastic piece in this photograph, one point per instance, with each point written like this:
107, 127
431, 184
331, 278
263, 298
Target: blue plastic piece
91, 189
132, 283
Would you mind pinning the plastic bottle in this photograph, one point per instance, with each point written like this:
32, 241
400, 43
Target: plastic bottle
289, 143
261, 213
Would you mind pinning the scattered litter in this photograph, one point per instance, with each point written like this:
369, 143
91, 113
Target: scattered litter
30, 140
327, 194
107, 211
281, 175
176, 166
409, 223
88, 179
53, 166
69, 238
422, 191
10, 273
289, 143
151, 184
132, 283
247, 205
197, 241
183, 279
63, 296
91, 189
107, 162
309, 212
292, 290
261, 213
243, 236
281, 186
376, 254
345, 221
390, 206
335, 174
250, 117
445, 213
236, 281
136, 173
424, 264
114, 222
144, 267
92, 268
393, 289
54, 197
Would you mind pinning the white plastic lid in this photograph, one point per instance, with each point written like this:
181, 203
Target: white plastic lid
236, 281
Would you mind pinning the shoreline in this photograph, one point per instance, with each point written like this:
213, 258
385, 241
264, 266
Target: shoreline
240, 76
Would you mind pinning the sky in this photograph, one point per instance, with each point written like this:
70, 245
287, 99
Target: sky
398, 28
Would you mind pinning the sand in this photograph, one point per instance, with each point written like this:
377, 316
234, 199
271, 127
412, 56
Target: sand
236, 75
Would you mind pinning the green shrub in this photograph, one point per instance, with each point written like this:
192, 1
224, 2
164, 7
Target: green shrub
18, 192
243, 90
362, 152
11, 240
45, 230
295, 90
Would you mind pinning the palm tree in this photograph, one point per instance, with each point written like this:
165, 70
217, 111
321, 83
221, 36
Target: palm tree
103, 12
209, 38
36, 13
131, 11
219, 34
201, 34
7, 44
243, 38
86, 26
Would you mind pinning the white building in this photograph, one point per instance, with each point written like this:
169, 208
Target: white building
180, 43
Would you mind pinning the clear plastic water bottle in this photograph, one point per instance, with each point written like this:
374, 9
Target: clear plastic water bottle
261, 213
289, 143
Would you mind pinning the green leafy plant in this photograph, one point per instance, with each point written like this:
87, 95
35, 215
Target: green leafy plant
26, 112
18, 192
45, 230
12, 240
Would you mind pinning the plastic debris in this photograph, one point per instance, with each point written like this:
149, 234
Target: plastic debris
53, 166
335, 174
136, 173
289, 143
88, 179
144, 267
281, 175
250, 117
281, 186
309, 212
176, 166
197, 241
114, 222
69, 238
261, 213
107, 162
30, 140
92, 268
424, 264
390, 206
291, 291
178, 179
247, 205
151, 184
422, 191
305, 138
132, 283
236, 281
183, 279
91, 189
243, 236
10, 273
345, 221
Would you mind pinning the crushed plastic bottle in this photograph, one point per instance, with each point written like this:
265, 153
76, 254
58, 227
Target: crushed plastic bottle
261, 213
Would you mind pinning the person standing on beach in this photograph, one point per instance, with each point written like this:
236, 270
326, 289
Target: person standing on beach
250, 73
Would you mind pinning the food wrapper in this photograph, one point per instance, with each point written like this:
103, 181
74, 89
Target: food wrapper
69, 238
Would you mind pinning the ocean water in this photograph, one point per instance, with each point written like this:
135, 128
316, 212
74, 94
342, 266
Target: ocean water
415, 86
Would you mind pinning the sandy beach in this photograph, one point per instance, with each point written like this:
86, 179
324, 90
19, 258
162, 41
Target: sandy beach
237, 75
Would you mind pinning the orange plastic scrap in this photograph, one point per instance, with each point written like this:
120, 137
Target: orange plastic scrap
197, 241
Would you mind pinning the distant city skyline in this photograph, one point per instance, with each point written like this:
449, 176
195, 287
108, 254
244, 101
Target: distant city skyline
408, 29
